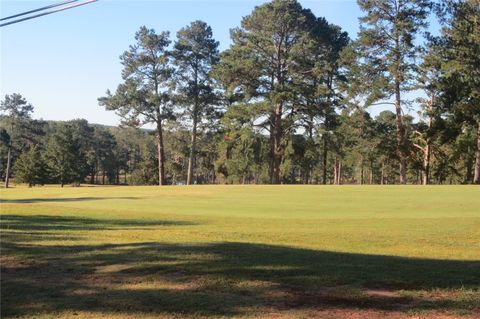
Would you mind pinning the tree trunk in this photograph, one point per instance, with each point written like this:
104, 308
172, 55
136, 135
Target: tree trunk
335, 171
308, 171
7, 171
382, 175
400, 134
398, 113
272, 149
476, 177
371, 173
325, 157
277, 144
306, 175
339, 172
161, 154
428, 147
337, 167
193, 146
362, 171
469, 165
426, 164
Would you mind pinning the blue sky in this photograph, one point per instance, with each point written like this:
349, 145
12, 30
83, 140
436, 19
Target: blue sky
63, 62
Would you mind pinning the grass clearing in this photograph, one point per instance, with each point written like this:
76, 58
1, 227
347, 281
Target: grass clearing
241, 252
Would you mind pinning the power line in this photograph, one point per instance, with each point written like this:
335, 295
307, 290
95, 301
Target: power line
39, 9
74, 5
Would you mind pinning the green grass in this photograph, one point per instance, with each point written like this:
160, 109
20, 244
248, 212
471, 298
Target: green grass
240, 251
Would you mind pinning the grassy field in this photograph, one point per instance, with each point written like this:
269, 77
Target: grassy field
241, 252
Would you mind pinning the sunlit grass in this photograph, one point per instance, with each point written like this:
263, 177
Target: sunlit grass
239, 251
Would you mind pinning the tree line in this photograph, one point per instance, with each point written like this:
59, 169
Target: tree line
287, 102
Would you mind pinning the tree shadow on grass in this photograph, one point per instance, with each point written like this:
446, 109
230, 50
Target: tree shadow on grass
32, 224
223, 279
60, 200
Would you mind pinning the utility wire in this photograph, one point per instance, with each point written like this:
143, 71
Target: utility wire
44, 13
39, 9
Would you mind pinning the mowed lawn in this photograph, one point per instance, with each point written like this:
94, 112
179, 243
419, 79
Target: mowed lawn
241, 252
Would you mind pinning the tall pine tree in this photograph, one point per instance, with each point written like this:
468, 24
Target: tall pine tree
194, 54
387, 45
461, 83
144, 97
260, 66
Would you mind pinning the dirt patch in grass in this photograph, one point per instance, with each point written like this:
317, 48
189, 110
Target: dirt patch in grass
60, 287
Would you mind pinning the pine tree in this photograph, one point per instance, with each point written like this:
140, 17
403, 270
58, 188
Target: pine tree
461, 55
428, 79
18, 112
30, 168
144, 97
388, 49
195, 53
63, 157
259, 68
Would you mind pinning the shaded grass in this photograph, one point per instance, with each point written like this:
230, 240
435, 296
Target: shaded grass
67, 224
52, 200
128, 255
